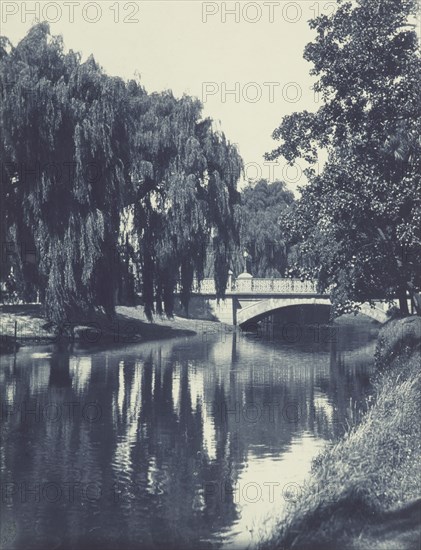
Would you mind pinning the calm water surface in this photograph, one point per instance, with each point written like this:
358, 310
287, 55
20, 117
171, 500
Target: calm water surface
196, 442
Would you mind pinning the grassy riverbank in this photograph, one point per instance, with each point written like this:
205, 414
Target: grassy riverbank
130, 325
365, 490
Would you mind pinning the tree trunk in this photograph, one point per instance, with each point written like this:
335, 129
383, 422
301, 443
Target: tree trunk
416, 299
403, 302
415, 296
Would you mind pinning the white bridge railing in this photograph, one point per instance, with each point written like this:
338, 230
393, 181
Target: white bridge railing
259, 286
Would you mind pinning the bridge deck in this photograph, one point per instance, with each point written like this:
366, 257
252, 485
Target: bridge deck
260, 286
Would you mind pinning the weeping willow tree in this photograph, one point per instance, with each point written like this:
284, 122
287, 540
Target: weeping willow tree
64, 141
186, 199
264, 235
78, 148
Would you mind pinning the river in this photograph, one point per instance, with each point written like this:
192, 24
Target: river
195, 442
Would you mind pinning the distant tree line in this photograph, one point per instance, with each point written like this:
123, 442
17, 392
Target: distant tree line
265, 240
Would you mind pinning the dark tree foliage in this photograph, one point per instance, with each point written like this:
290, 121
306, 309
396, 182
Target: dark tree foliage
63, 127
359, 221
81, 148
186, 176
264, 209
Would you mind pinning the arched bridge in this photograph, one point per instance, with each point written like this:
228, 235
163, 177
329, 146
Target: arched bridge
256, 309
248, 299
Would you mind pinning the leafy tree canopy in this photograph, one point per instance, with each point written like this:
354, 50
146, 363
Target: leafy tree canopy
358, 222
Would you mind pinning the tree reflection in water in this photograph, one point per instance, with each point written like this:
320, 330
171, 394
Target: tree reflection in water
168, 444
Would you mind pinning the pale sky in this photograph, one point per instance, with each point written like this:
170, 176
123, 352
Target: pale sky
204, 49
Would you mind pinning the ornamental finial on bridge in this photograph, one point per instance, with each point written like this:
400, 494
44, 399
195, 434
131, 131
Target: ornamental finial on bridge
244, 282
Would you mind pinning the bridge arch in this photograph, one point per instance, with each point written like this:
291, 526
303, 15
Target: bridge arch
263, 307
260, 308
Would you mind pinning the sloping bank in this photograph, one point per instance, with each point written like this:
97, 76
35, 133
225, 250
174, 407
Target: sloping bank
365, 491
25, 325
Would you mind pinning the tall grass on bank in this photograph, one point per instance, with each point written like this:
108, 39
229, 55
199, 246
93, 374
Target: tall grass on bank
374, 468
